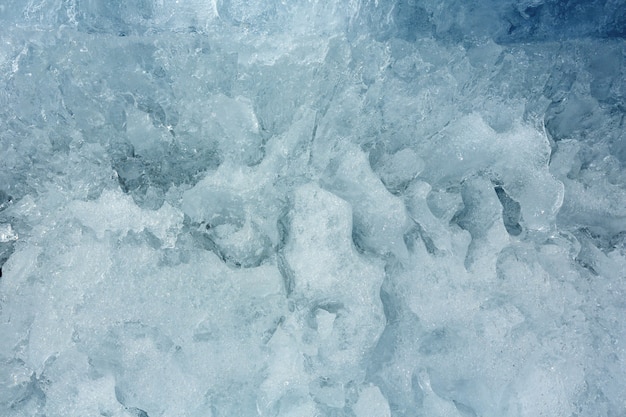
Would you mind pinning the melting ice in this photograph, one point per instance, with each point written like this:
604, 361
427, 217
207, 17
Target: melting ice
312, 208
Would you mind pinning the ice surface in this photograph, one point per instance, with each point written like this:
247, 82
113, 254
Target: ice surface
312, 208
371, 403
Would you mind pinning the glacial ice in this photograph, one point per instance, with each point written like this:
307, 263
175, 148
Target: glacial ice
312, 208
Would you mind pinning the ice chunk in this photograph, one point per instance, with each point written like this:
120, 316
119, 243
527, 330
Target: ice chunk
129, 335
7, 234
380, 218
371, 403
476, 147
331, 394
234, 122
432, 230
324, 320
568, 118
95, 395
482, 217
239, 12
235, 212
321, 225
116, 213
333, 277
17, 384
398, 170
541, 391
338, 315
434, 405
591, 198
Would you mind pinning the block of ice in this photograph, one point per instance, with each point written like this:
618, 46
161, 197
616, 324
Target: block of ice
482, 218
337, 315
235, 214
116, 213
371, 403
237, 127
476, 147
379, 217
7, 234
398, 170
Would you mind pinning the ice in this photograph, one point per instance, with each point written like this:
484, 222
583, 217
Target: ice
482, 218
312, 208
7, 234
380, 218
115, 212
371, 403
398, 170
333, 277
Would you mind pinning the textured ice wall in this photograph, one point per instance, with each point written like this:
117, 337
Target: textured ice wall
312, 208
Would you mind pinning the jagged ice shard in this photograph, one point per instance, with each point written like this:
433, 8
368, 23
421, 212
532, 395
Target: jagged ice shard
364, 208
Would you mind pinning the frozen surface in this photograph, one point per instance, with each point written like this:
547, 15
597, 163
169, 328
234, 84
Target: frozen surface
312, 208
